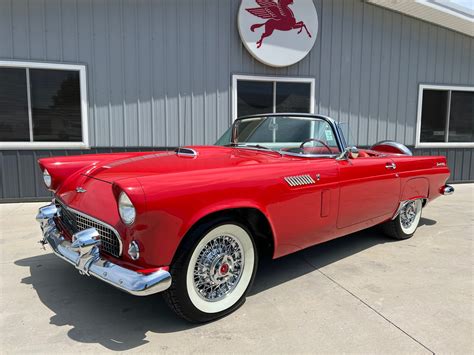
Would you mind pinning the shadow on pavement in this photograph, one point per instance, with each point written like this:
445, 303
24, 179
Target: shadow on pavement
102, 314
426, 222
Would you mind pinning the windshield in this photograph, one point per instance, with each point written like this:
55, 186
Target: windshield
286, 134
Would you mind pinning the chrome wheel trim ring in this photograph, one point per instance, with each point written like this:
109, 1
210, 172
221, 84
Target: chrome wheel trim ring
410, 215
227, 298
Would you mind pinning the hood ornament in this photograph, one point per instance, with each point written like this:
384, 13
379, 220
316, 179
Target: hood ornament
80, 190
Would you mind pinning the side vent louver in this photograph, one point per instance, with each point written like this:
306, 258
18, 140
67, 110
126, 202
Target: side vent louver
299, 180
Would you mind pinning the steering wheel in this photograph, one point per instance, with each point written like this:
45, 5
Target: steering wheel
315, 140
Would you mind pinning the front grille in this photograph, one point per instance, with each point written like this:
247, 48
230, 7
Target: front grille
75, 222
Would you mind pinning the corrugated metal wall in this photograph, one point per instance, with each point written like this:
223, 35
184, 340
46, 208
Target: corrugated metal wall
21, 178
159, 72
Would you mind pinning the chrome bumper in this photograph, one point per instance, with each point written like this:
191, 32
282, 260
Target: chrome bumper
447, 190
83, 253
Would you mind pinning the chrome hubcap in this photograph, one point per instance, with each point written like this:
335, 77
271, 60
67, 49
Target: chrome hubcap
218, 268
408, 214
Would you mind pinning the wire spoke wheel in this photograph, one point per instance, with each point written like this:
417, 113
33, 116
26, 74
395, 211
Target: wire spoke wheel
218, 268
410, 215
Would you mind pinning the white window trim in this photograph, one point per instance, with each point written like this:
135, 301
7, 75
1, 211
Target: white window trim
419, 144
237, 77
84, 107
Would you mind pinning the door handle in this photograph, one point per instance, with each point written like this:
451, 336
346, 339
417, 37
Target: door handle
390, 166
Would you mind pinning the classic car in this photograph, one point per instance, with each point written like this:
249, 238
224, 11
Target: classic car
192, 222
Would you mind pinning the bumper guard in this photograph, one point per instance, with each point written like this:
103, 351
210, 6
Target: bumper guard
447, 190
83, 253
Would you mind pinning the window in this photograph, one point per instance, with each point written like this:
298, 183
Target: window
42, 105
256, 95
445, 116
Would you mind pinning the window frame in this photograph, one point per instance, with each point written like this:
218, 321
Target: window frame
450, 88
264, 78
81, 68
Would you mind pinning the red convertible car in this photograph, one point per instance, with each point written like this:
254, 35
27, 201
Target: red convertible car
192, 222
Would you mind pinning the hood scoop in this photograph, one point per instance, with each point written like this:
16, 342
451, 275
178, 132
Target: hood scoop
186, 152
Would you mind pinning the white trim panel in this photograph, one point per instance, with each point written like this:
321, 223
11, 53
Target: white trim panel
431, 12
307, 80
81, 68
419, 144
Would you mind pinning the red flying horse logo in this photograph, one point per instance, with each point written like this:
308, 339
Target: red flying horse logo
279, 15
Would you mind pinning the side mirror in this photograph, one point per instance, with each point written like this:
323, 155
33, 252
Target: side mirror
349, 153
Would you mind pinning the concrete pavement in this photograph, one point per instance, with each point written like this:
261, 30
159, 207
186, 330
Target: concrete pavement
363, 293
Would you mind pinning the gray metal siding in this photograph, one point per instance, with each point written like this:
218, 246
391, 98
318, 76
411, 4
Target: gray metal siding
20, 177
159, 72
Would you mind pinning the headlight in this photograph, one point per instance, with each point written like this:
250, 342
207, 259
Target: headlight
126, 209
47, 178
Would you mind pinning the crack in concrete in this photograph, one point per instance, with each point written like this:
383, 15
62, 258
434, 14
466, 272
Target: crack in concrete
369, 306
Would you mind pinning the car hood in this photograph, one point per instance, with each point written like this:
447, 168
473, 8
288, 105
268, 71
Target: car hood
208, 157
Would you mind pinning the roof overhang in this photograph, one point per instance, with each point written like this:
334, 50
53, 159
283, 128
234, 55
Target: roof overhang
450, 14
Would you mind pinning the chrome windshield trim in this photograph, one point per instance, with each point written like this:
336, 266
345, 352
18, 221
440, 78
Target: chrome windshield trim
301, 116
283, 152
328, 156
260, 149
93, 219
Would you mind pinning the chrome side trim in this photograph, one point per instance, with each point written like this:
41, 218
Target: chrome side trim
117, 234
403, 203
401, 147
299, 180
447, 190
83, 253
188, 152
400, 206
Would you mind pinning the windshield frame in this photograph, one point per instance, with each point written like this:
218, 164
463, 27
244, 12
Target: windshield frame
341, 143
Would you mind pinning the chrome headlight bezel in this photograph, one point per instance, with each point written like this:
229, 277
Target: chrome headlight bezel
126, 209
47, 178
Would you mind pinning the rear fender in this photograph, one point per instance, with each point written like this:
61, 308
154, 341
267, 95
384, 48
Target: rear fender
415, 188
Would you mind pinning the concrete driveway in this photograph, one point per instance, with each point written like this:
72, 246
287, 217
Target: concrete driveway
362, 293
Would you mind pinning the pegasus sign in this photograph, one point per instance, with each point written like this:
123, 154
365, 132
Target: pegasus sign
278, 33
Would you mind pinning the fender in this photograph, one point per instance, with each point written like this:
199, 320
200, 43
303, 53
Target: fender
415, 188
224, 206
62, 168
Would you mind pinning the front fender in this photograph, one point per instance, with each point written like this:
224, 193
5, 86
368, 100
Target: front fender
174, 206
220, 207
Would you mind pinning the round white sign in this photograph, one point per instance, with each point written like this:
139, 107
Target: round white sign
278, 33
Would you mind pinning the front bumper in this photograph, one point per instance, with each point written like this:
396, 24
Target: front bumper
83, 253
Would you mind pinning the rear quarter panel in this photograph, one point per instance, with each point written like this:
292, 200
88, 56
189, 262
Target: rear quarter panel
421, 176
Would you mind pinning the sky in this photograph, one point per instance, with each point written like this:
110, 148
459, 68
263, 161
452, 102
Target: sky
466, 3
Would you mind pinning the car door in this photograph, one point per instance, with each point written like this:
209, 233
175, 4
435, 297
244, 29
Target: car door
369, 188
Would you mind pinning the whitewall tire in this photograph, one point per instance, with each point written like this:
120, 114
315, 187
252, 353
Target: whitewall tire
213, 272
406, 222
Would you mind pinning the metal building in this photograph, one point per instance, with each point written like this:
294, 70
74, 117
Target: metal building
86, 76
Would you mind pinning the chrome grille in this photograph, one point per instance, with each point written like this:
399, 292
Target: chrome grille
75, 221
299, 180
